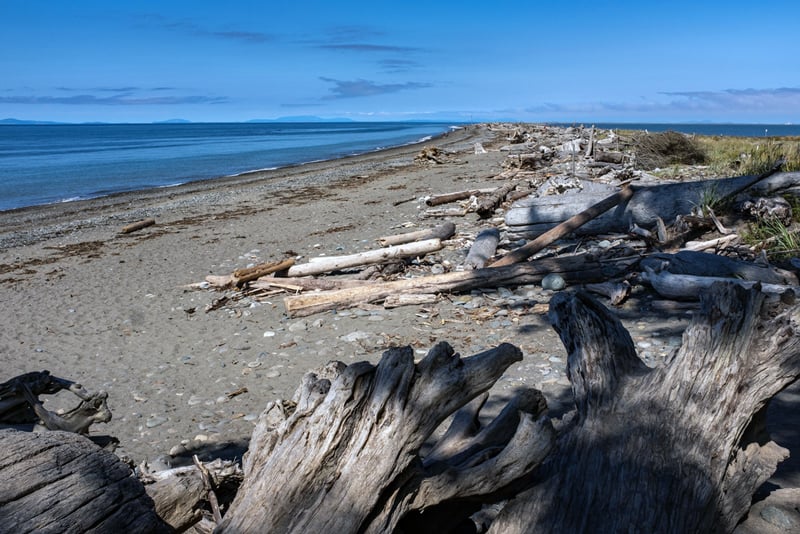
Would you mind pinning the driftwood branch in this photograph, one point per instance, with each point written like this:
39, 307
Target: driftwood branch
443, 231
482, 249
346, 458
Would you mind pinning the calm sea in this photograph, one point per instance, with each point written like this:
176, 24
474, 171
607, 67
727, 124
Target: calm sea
43, 164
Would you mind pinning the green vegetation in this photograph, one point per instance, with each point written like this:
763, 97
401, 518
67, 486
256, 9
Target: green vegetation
749, 155
771, 235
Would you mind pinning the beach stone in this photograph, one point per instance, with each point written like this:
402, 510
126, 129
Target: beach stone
177, 450
272, 374
194, 400
155, 421
553, 282
352, 337
269, 333
201, 438
299, 326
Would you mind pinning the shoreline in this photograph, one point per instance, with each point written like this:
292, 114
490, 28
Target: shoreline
14, 221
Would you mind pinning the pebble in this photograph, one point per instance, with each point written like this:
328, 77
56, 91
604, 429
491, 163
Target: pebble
155, 421
253, 365
194, 400
299, 326
269, 333
553, 282
272, 374
201, 438
251, 417
177, 450
644, 344
352, 337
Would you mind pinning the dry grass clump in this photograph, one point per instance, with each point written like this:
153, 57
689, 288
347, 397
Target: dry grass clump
663, 149
732, 156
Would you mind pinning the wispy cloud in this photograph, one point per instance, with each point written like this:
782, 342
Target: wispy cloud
126, 89
777, 101
190, 28
361, 88
368, 47
115, 100
398, 65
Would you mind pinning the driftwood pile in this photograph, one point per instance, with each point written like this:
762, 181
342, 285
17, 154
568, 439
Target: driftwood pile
362, 447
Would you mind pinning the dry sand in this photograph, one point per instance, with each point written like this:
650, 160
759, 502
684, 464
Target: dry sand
113, 311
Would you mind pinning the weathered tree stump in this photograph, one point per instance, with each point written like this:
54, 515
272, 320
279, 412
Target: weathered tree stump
669, 449
345, 457
62, 482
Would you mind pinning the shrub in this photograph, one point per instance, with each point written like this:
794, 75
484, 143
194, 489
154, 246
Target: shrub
655, 150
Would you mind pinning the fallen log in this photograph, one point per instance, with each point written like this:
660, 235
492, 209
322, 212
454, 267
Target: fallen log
133, 227
706, 264
482, 249
529, 249
335, 263
443, 231
446, 198
534, 215
616, 292
62, 482
488, 204
347, 457
690, 287
668, 449
574, 269
242, 276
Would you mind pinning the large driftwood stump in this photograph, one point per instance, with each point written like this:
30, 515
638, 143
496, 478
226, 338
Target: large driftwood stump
345, 456
62, 482
670, 449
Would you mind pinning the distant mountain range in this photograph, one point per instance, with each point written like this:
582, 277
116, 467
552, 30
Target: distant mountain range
298, 118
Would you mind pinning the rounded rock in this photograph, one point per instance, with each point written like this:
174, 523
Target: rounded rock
553, 282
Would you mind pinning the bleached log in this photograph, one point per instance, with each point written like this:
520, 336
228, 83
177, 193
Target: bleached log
698, 246
396, 301
574, 269
667, 201
133, 227
443, 231
335, 263
446, 198
707, 264
529, 249
482, 249
689, 287
347, 457
667, 449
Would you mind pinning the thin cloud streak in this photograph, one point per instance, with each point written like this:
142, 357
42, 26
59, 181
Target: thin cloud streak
363, 88
117, 100
367, 47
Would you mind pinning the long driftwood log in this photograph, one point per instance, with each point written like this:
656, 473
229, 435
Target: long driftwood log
62, 482
345, 455
442, 231
574, 269
669, 449
535, 215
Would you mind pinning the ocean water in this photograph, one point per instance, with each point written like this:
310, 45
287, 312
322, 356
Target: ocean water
43, 164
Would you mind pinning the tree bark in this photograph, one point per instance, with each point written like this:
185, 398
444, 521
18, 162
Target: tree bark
446, 198
62, 482
346, 458
665, 449
574, 269
488, 204
706, 264
133, 227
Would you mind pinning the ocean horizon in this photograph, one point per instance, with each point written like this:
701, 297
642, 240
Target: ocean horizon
52, 163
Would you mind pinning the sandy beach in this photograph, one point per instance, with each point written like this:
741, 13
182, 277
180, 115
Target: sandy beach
113, 311
116, 312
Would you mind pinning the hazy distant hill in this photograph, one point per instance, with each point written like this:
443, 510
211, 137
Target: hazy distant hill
301, 118
19, 121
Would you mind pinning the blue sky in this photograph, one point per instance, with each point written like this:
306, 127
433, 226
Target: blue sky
142, 61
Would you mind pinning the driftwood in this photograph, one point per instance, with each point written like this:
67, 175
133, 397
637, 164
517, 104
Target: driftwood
20, 406
62, 482
533, 216
616, 292
666, 449
529, 249
490, 202
242, 276
133, 227
574, 269
705, 264
482, 249
179, 494
346, 457
446, 198
443, 231
334, 263
690, 287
